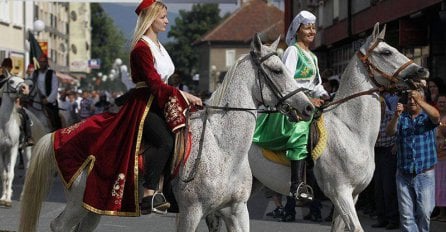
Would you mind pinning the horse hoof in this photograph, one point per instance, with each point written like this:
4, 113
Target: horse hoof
7, 204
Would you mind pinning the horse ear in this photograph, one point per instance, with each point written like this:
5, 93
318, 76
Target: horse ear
382, 33
275, 43
256, 43
375, 32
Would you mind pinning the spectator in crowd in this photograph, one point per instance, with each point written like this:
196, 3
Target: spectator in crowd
385, 169
86, 106
440, 168
102, 105
435, 86
414, 125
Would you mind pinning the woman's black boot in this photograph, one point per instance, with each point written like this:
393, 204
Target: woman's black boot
299, 189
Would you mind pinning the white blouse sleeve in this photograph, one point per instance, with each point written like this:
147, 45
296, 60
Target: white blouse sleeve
289, 58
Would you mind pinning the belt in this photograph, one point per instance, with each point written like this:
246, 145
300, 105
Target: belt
426, 170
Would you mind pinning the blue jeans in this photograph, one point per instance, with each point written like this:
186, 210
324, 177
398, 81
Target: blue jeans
416, 200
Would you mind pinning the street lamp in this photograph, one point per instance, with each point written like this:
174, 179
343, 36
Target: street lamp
38, 26
122, 73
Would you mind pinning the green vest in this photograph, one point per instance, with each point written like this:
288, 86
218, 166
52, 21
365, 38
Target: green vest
305, 67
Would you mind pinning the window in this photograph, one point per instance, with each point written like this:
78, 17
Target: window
418, 54
230, 57
17, 17
335, 9
4, 11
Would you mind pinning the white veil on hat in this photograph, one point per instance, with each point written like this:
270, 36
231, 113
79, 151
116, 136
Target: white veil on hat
304, 17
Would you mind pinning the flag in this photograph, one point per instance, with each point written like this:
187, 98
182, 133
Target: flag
35, 50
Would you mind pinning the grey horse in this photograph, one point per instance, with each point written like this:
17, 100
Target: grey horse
217, 176
346, 166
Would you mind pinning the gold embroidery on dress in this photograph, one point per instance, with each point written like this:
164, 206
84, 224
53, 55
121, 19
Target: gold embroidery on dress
173, 110
72, 128
118, 189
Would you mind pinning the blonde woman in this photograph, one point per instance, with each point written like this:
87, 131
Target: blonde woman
151, 67
108, 143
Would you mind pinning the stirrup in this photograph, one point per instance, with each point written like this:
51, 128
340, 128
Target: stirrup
303, 192
162, 209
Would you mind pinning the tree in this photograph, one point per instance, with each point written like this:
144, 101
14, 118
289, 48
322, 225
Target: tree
108, 42
188, 28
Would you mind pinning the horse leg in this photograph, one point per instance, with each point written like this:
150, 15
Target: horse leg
9, 168
344, 204
337, 224
213, 222
73, 213
236, 217
189, 218
89, 222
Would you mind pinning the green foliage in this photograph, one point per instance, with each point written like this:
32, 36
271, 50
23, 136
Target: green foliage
188, 28
108, 42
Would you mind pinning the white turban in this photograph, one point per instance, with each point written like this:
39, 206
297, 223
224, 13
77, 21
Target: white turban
304, 17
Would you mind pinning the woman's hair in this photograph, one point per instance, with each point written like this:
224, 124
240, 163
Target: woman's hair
145, 20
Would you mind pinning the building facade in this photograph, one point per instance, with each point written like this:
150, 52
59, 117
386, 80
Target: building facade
65, 37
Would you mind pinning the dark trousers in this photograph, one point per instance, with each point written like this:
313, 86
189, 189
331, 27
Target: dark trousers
160, 142
26, 123
385, 185
53, 116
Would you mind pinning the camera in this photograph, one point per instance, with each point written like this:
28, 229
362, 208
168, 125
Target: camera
403, 97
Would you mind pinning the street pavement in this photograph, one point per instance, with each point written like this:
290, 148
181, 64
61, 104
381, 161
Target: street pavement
258, 207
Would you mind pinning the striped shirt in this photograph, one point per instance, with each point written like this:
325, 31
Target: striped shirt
417, 150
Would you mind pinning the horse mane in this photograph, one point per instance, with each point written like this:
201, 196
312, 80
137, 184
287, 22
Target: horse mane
219, 93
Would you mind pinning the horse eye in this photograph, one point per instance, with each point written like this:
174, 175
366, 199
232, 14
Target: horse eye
386, 53
277, 71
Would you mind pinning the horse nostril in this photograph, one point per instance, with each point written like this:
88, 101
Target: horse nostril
309, 108
421, 70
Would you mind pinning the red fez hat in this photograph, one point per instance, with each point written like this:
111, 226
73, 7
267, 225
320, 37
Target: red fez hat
143, 5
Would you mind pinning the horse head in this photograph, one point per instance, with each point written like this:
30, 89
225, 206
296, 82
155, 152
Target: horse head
14, 87
276, 84
386, 66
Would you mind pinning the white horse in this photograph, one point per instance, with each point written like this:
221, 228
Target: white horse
13, 88
217, 174
346, 166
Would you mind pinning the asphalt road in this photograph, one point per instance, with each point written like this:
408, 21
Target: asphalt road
258, 207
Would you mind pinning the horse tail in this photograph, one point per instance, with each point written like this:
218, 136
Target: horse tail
37, 183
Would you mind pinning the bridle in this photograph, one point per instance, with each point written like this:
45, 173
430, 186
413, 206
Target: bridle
281, 106
371, 68
15, 91
364, 58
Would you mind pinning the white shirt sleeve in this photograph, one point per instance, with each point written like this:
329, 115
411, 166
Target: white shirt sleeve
289, 58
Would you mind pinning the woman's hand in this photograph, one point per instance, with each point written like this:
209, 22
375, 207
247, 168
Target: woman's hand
317, 101
192, 99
